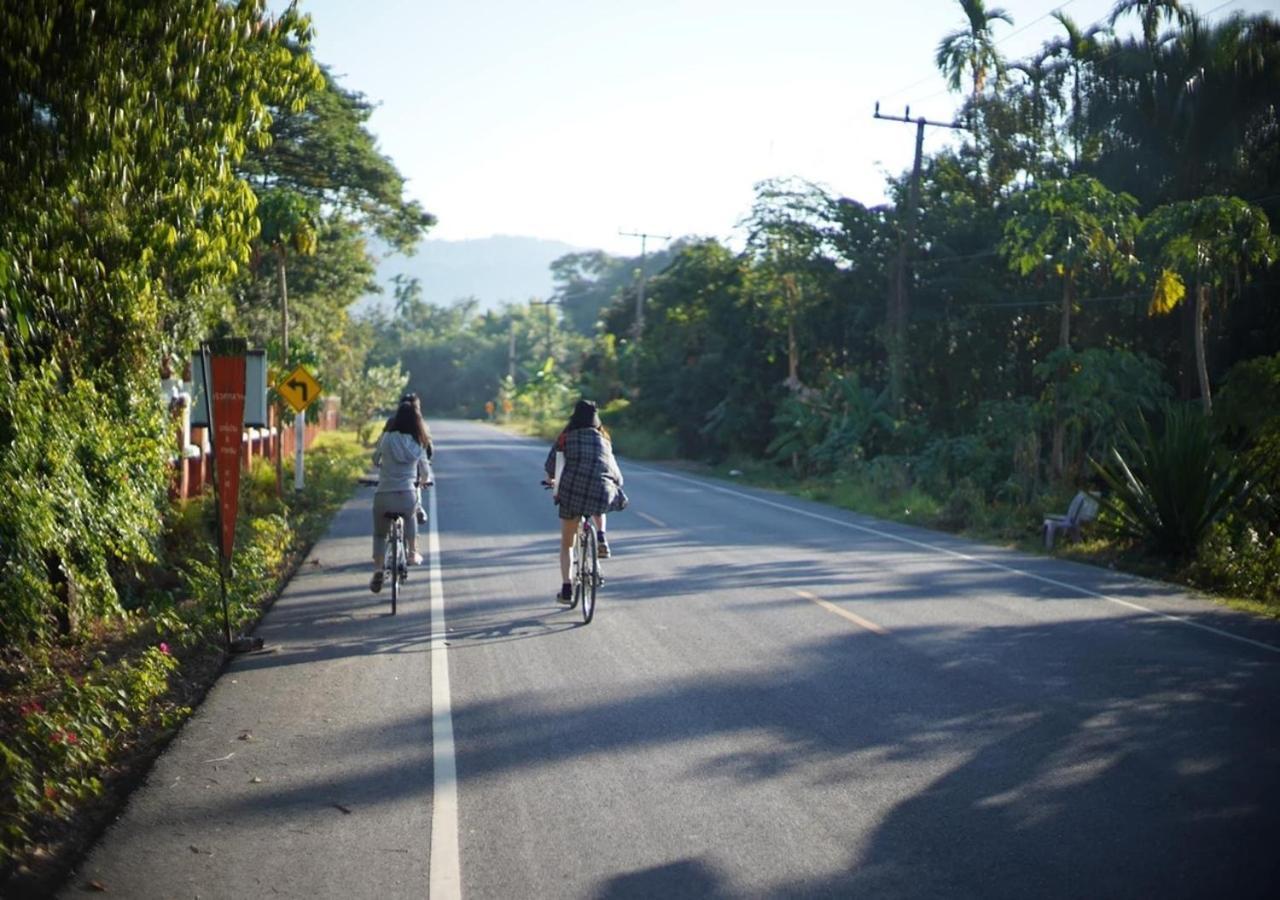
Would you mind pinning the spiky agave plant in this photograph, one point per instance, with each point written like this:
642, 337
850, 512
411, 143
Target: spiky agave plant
1168, 488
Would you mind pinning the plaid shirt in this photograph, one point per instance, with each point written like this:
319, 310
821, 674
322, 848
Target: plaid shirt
591, 482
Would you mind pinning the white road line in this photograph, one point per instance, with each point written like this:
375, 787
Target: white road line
446, 868
842, 612
964, 556
650, 519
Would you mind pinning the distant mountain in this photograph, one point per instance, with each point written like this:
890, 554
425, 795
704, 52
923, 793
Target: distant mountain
495, 270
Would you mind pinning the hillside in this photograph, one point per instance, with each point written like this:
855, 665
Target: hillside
494, 270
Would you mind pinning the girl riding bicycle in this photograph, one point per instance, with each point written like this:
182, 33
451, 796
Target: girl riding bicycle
589, 484
402, 457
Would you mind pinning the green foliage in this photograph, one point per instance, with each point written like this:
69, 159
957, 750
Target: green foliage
1071, 227
1212, 240
546, 398
830, 428
69, 729
1241, 557
1098, 393
123, 219
1169, 488
82, 489
378, 388
1248, 412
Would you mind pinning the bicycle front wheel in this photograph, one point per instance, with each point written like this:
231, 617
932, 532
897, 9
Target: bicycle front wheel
575, 570
589, 571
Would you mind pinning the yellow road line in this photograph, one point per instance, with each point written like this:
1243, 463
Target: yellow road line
831, 607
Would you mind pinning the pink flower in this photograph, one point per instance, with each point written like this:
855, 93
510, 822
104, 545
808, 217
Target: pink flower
27, 709
164, 648
64, 737
50, 792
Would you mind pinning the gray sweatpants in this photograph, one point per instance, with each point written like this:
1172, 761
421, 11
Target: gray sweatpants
402, 502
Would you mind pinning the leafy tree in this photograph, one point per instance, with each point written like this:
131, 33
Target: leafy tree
1213, 242
586, 283
786, 236
705, 373
1073, 228
122, 220
376, 389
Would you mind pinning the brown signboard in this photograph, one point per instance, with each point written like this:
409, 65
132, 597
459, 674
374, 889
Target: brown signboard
227, 385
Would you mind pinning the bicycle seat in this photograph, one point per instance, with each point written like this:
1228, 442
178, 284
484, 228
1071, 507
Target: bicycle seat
392, 516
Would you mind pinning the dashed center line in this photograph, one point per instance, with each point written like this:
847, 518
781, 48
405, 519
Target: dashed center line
840, 611
650, 519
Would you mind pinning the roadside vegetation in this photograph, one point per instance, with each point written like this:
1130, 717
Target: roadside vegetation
83, 716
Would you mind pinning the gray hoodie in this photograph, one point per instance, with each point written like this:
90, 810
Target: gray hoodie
400, 460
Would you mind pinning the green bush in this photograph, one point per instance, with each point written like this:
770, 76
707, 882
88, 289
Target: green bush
84, 473
1169, 488
824, 429
965, 507
1239, 558
67, 732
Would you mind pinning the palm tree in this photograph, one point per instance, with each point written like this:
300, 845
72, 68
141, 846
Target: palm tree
1035, 98
1151, 11
1072, 51
971, 47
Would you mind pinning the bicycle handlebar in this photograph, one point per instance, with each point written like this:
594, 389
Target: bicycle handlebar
373, 482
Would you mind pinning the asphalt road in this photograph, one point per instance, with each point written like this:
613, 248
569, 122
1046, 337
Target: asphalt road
776, 699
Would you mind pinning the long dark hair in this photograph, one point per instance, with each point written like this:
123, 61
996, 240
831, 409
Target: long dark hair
408, 420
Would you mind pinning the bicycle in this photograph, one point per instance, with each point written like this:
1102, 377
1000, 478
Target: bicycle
584, 566
584, 569
395, 563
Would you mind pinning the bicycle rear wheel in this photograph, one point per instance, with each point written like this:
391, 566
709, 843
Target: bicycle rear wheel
589, 572
397, 562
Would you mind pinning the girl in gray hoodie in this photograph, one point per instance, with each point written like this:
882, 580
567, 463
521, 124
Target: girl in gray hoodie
403, 459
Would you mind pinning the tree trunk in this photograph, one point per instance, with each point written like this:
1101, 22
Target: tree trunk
66, 599
1186, 349
1202, 367
1068, 298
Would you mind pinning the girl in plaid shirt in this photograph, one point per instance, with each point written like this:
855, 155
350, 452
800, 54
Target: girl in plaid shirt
590, 484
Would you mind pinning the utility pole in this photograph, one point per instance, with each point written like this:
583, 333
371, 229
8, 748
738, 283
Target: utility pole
898, 305
511, 352
639, 327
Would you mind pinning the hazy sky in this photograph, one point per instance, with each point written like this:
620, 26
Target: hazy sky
573, 119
